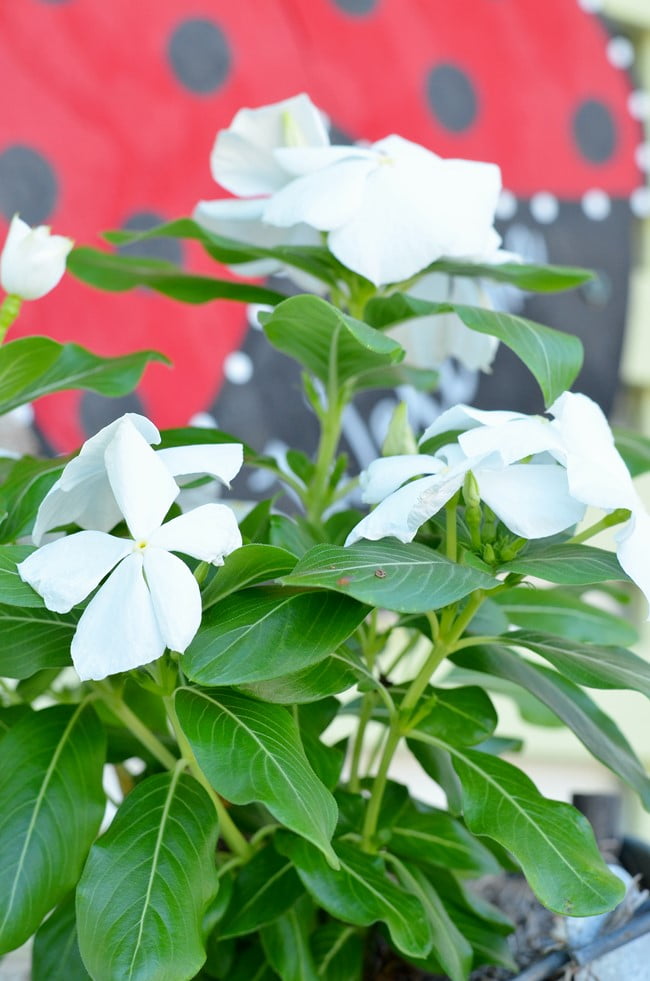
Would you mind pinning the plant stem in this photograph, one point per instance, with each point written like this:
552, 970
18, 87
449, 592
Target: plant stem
135, 725
615, 518
9, 310
379, 786
229, 830
319, 495
367, 705
451, 538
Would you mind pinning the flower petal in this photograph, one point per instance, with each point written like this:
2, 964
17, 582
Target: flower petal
208, 532
175, 596
461, 418
385, 475
513, 440
633, 549
143, 487
532, 500
221, 460
326, 199
118, 629
64, 572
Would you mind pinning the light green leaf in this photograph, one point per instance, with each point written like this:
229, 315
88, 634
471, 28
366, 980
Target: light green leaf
268, 631
13, 591
566, 564
247, 566
35, 366
407, 578
561, 612
56, 954
360, 892
34, 639
592, 727
265, 888
251, 751
536, 279
147, 883
51, 804
286, 944
553, 357
117, 273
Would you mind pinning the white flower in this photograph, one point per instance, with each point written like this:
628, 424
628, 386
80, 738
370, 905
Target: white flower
574, 464
32, 260
83, 494
150, 599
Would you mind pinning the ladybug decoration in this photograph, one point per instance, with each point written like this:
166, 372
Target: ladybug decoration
113, 112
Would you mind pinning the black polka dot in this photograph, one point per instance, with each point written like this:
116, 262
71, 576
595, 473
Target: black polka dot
452, 97
358, 8
340, 137
97, 411
200, 55
170, 249
594, 131
28, 185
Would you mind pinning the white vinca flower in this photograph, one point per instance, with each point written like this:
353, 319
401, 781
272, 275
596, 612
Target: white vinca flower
32, 261
150, 599
538, 475
83, 494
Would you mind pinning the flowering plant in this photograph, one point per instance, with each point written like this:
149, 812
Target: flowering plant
250, 834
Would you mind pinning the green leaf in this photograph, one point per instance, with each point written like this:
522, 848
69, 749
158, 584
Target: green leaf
268, 631
35, 366
552, 841
34, 639
436, 838
318, 335
407, 578
553, 357
295, 536
21, 494
536, 279
360, 892
56, 954
634, 448
464, 716
13, 591
265, 888
249, 965
336, 673
251, 751
559, 611
338, 951
51, 804
117, 273
566, 564
147, 883
286, 944
485, 926
247, 566
437, 764
593, 728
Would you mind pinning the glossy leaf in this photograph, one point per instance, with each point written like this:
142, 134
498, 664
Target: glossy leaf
56, 954
22, 492
336, 673
338, 952
265, 888
35, 366
436, 838
286, 944
536, 279
251, 751
361, 892
247, 566
51, 804
13, 591
147, 883
561, 612
316, 334
34, 639
268, 631
566, 564
407, 578
464, 716
553, 357
116, 273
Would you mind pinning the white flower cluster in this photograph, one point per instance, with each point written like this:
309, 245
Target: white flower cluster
537, 475
150, 600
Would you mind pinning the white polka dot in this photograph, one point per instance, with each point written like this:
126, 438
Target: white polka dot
638, 104
591, 6
596, 204
640, 202
642, 157
238, 368
620, 52
203, 420
544, 207
252, 311
506, 205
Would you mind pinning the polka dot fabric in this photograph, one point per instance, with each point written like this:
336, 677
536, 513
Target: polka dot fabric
113, 110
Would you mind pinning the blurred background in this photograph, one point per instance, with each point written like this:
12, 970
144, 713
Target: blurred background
109, 114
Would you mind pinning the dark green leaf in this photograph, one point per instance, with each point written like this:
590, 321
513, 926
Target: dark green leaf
56, 954
464, 716
408, 578
561, 612
634, 448
286, 944
360, 892
265, 888
247, 566
436, 838
251, 751
51, 804
21, 494
34, 639
338, 951
287, 533
336, 673
10, 715
553, 357
249, 964
536, 279
35, 366
437, 764
566, 564
117, 273
268, 631
13, 591
147, 883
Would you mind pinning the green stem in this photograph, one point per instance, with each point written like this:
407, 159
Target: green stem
615, 518
135, 725
451, 538
367, 706
319, 494
9, 310
229, 830
379, 786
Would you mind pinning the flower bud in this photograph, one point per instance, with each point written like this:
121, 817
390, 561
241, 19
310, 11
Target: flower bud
32, 260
